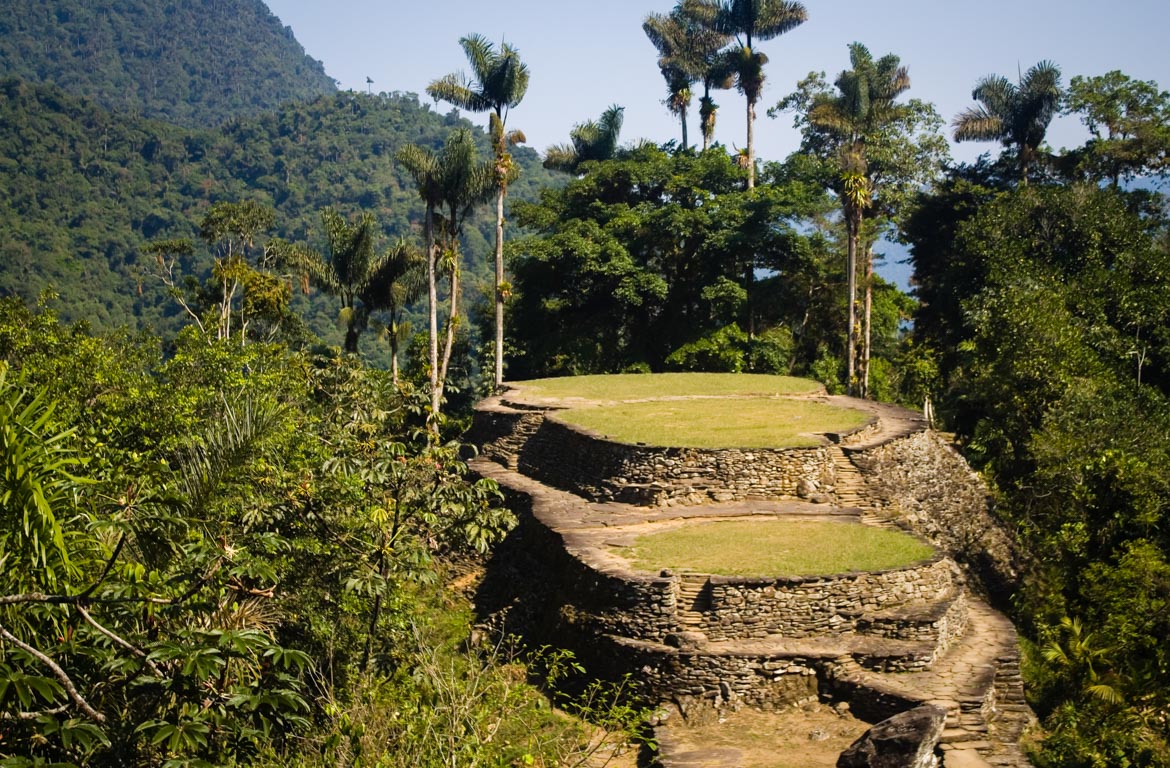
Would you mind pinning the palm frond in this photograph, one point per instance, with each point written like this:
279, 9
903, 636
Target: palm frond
481, 55
499, 81
996, 93
423, 166
560, 157
457, 89
239, 432
1105, 693
774, 18
977, 124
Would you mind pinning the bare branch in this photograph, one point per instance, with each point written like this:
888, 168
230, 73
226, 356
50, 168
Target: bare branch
10, 717
60, 674
119, 641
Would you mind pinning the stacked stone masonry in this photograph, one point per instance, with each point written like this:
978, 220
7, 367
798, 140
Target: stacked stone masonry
703, 642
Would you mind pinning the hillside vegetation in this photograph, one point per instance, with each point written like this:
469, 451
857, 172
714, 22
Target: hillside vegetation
192, 62
84, 190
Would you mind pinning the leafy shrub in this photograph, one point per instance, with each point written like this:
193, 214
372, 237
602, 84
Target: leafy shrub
721, 351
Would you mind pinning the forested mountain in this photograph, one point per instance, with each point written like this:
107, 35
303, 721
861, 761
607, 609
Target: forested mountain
82, 190
191, 62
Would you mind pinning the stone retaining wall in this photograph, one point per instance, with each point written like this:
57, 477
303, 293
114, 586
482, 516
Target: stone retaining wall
596, 469
823, 605
693, 680
927, 485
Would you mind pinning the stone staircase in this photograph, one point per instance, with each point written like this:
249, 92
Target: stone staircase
694, 597
978, 684
851, 490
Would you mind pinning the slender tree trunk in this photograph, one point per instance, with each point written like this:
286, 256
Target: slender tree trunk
865, 324
682, 116
499, 283
706, 117
433, 311
854, 227
751, 146
451, 321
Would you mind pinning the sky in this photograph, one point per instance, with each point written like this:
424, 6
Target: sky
583, 57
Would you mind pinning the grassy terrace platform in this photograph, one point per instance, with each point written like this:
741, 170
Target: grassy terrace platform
636, 386
775, 547
695, 410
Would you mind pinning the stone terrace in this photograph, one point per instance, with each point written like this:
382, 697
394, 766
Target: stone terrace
885, 642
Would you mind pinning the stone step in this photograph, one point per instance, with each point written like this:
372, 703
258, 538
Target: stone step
959, 735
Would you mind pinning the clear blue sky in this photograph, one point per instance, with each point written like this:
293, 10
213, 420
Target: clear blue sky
586, 56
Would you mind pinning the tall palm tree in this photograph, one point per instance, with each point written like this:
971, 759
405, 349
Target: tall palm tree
499, 83
1015, 115
863, 106
686, 53
350, 270
748, 21
451, 183
396, 281
717, 73
591, 140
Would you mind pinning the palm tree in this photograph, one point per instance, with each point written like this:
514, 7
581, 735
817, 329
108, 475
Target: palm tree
397, 281
748, 21
350, 271
863, 106
592, 140
451, 183
716, 74
686, 53
1016, 116
499, 83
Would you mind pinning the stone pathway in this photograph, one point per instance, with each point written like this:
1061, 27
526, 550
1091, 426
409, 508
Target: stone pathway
977, 682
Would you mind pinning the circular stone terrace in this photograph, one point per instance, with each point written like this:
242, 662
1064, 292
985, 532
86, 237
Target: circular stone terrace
607, 472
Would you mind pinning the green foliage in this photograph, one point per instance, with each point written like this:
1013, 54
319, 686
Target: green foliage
1015, 115
721, 351
83, 192
1130, 123
1053, 371
244, 528
771, 351
648, 253
190, 64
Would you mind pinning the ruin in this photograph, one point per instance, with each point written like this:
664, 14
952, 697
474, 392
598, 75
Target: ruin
885, 642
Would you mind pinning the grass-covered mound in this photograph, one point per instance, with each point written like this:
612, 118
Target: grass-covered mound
776, 548
634, 386
696, 410
709, 423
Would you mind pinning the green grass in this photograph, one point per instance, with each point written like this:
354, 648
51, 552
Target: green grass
633, 386
776, 548
758, 422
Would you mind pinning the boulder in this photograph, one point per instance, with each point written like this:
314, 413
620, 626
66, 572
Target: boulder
906, 740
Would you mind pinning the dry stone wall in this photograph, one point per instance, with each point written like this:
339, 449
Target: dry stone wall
927, 485
807, 607
566, 457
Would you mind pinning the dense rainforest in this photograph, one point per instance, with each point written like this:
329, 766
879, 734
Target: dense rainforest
85, 191
192, 63
226, 539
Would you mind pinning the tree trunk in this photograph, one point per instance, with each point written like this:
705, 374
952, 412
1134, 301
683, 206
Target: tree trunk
451, 318
433, 312
751, 146
682, 116
854, 228
499, 282
865, 324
